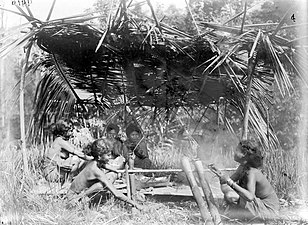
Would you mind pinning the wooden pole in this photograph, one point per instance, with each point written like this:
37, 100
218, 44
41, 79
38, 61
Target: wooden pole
208, 193
247, 107
165, 170
132, 177
244, 16
22, 109
196, 191
127, 181
252, 62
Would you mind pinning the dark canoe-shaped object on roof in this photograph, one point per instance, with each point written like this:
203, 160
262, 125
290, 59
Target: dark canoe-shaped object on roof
161, 73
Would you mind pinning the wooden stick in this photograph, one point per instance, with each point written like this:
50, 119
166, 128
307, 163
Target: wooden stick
208, 193
196, 191
127, 182
22, 110
132, 177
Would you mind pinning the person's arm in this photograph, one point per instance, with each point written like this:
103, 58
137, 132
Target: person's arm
249, 193
238, 173
225, 180
142, 151
125, 151
116, 150
101, 176
71, 149
109, 167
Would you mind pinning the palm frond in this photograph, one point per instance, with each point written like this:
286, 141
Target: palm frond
281, 76
5, 49
29, 18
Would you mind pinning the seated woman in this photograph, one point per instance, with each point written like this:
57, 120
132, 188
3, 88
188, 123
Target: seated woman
248, 188
92, 180
60, 159
136, 146
118, 159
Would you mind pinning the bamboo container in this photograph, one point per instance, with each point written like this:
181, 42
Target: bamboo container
208, 193
196, 192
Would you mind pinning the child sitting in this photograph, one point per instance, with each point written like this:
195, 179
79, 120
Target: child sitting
92, 179
62, 158
248, 188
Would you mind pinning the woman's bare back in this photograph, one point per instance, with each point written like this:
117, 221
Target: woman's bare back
86, 178
263, 186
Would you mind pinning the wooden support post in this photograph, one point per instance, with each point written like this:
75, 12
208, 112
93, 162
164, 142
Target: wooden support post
22, 109
252, 62
208, 193
196, 191
127, 181
247, 107
132, 178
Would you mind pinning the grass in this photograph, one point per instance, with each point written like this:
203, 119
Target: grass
20, 205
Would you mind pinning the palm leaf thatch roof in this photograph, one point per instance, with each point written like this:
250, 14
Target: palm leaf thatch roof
148, 63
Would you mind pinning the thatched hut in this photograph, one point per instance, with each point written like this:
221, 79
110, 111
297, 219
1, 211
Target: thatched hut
145, 62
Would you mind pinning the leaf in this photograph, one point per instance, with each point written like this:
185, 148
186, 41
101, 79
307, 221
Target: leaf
4, 50
281, 76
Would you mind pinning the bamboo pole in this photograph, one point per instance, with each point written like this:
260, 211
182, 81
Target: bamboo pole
196, 191
208, 193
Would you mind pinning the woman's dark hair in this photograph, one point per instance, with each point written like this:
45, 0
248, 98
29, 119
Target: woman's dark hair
252, 152
112, 126
131, 128
60, 128
100, 147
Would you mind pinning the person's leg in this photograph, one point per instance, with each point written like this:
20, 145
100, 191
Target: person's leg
229, 194
51, 171
97, 194
112, 176
96, 187
235, 209
258, 208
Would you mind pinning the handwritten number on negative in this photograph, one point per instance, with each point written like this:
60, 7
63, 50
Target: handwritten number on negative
293, 17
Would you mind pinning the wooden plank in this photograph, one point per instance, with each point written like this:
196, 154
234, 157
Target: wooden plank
166, 170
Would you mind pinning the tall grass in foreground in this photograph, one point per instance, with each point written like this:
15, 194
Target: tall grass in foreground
20, 205
11, 184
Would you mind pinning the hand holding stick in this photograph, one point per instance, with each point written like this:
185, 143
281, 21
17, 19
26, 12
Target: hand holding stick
223, 178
